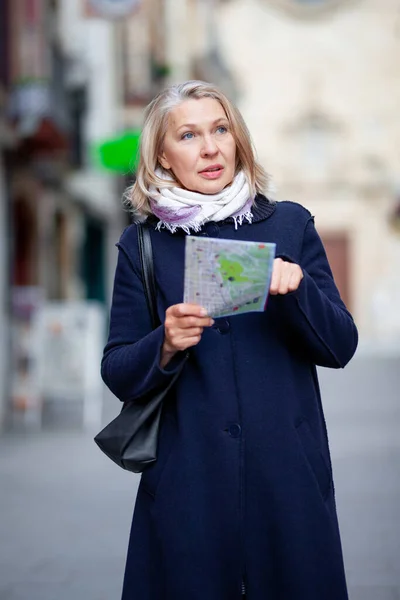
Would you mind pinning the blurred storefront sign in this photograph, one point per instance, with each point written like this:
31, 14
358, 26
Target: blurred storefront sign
32, 115
57, 348
30, 98
119, 154
35, 106
30, 57
111, 9
69, 337
25, 394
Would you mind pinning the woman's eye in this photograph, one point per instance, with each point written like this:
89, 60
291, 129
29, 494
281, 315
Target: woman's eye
222, 129
187, 136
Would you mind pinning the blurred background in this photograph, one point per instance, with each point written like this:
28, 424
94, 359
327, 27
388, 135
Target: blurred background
318, 82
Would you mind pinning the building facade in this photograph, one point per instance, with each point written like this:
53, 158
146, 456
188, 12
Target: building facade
319, 87
4, 331
317, 81
6, 141
62, 214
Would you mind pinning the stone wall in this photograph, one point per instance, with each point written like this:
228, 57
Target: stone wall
321, 95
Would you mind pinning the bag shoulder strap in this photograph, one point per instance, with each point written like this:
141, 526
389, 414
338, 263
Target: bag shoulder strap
147, 265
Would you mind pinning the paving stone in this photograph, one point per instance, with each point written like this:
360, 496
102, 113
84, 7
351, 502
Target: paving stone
65, 509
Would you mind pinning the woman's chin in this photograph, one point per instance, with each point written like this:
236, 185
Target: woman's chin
211, 187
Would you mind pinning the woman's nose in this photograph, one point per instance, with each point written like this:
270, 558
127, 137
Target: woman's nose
209, 146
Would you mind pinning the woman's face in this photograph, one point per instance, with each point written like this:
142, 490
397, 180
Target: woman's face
199, 147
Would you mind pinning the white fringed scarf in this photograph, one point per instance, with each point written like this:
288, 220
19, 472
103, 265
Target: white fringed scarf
178, 208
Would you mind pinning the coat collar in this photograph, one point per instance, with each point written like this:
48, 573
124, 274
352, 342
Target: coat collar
262, 208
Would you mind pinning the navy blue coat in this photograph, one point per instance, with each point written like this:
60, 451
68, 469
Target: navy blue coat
242, 489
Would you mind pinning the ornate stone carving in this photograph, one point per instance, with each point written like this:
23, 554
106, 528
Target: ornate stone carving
309, 8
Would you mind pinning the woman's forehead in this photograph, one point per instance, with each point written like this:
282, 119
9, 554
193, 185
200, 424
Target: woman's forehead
196, 112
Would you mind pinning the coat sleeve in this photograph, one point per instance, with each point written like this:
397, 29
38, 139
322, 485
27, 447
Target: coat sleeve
131, 359
315, 313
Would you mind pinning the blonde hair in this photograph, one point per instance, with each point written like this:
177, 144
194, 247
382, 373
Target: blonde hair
137, 197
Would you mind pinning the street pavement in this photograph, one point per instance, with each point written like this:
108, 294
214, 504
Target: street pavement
65, 512
362, 407
65, 509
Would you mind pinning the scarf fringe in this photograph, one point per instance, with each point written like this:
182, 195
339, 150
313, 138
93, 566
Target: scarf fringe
192, 225
195, 226
240, 218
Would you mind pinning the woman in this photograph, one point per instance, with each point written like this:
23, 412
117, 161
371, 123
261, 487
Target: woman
241, 497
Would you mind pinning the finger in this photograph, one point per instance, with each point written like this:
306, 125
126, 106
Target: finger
178, 342
192, 332
186, 309
192, 341
286, 273
276, 276
187, 322
187, 342
295, 279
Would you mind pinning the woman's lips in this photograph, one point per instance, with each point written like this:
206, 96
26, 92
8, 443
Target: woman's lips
212, 172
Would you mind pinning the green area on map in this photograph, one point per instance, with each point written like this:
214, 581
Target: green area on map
227, 277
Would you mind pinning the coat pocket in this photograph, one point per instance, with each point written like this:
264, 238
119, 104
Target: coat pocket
314, 457
152, 476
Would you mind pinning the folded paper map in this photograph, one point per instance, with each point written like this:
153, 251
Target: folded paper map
227, 277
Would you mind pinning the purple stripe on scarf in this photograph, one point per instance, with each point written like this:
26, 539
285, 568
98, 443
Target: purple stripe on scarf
175, 217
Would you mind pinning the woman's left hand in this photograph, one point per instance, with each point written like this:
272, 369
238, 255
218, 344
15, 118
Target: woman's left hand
286, 277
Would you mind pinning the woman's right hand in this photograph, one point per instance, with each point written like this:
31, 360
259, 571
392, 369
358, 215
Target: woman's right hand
184, 325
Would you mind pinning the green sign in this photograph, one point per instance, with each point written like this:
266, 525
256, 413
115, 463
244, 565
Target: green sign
119, 154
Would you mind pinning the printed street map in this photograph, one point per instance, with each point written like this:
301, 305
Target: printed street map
227, 277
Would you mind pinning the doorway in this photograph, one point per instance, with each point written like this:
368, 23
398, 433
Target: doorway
337, 248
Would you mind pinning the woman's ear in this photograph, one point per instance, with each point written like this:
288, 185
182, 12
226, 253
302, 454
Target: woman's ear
163, 162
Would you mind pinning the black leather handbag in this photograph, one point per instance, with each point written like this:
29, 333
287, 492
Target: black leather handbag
130, 440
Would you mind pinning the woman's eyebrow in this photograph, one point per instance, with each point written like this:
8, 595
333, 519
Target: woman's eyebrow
194, 125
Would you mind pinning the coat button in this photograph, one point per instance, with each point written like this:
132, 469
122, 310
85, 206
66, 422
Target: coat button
234, 430
223, 326
212, 229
